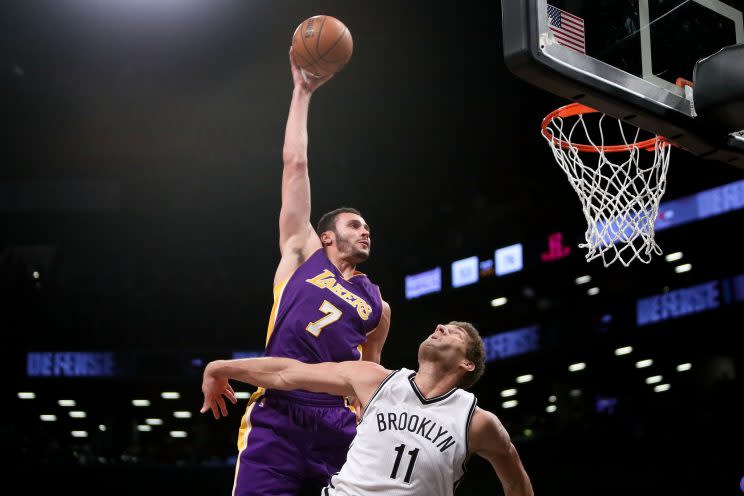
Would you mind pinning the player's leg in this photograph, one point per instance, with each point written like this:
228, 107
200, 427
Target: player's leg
326, 454
269, 461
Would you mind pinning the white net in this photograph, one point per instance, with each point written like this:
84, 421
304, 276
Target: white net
619, 195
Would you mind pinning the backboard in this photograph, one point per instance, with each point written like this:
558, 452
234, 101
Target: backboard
623, 58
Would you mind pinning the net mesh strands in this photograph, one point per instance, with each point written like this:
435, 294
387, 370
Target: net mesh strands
619, 186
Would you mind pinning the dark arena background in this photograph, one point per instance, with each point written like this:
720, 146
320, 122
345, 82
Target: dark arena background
139, 203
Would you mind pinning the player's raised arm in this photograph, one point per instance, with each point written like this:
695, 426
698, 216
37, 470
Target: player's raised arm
297, 239
341, 379
489, 439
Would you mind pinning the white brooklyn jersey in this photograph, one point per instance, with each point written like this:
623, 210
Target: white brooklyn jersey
407, 444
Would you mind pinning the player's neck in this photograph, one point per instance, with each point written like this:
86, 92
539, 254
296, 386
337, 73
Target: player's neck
432, 381
346, 268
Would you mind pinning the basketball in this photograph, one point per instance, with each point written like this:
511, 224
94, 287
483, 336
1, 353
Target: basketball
322, 45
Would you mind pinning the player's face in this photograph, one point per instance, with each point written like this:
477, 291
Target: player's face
448, 342
352, 237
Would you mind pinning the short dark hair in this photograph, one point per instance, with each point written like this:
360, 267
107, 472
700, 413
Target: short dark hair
476, 353
328, 221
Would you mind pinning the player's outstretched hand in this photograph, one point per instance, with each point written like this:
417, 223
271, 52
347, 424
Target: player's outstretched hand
214, 388
304, 80
355, 405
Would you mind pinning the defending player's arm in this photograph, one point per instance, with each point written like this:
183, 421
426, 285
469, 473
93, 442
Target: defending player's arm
341, 379
488, 438
297, 239
372, 348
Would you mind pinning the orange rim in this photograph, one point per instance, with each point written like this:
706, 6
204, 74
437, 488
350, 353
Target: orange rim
573, 109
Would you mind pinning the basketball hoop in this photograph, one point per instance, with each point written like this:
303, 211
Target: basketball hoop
619, 197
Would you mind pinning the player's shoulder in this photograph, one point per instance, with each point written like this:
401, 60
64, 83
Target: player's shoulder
483, 417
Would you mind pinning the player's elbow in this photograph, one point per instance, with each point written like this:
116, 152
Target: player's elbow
294, 160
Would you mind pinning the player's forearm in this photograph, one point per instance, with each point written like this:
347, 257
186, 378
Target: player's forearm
521, 487
286, 374
267, 372
295, 135
517, 482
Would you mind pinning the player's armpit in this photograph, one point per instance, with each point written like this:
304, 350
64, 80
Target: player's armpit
295, 251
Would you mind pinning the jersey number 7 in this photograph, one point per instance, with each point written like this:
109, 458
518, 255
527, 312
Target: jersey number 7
332, 315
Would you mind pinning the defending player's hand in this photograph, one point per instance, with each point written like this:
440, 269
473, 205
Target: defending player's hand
214, 388
356, 405
303, 79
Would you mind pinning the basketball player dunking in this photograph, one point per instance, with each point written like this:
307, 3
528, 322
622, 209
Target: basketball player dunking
418, 428
324, 311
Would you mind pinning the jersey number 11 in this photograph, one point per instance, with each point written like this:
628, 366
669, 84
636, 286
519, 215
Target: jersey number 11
413, 454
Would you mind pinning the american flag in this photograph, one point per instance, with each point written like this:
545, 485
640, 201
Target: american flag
568, 29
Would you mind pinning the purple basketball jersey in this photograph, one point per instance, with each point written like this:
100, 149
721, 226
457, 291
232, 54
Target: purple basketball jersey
318, 316
294, 439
